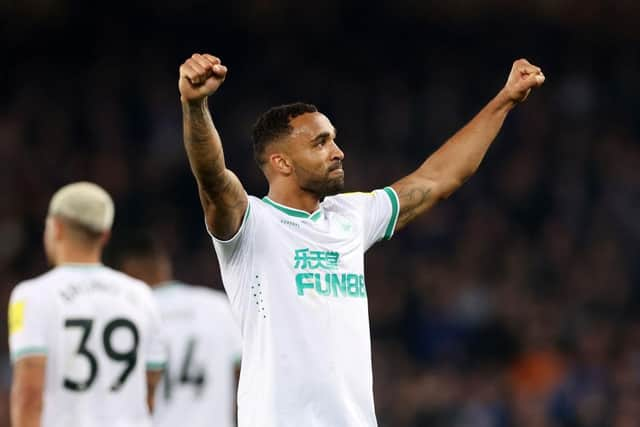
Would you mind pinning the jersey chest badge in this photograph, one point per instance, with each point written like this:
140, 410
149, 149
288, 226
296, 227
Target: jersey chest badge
342, 227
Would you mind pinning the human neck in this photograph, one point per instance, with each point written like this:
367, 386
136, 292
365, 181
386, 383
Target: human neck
297, 199
158, 280
161, 283
68, 254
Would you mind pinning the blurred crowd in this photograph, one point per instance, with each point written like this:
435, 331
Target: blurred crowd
513, 303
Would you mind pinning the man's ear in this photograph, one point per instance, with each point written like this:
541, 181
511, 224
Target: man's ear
281, 163
57, 227
104, 239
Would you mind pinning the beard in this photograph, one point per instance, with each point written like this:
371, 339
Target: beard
322, 186
327, 187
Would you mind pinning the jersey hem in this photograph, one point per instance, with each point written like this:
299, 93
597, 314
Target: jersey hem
395, 203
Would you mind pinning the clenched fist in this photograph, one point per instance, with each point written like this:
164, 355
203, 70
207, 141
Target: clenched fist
200, 77
523, 77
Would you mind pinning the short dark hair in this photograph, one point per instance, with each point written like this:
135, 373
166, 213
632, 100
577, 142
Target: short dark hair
274, 123
133, 244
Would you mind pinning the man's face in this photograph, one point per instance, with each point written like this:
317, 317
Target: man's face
315, 156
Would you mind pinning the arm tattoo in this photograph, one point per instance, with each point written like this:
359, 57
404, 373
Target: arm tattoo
413, 201
204, 148
221, 193
231, 194
200, 127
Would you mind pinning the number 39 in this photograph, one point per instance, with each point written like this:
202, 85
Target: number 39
130, 357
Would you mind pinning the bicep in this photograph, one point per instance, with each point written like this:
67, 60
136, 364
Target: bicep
416, 195
224, 208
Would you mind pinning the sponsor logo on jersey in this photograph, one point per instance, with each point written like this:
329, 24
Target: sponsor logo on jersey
319, 275
313, 260
290, 223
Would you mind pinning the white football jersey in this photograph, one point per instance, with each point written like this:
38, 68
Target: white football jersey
296, 283
100, 332
203, 338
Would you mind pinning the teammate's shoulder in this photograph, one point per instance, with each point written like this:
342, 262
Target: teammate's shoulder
214, 303
213, 295
126, 280
199, 291
119, 275
36, 285
207, 295
195, 295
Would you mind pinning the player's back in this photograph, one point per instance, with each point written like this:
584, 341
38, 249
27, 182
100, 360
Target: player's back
198, 388
99, 331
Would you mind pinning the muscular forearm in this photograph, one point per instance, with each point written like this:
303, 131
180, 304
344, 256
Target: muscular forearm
26, 409
223, 198
456, 160
460, 156
203, 146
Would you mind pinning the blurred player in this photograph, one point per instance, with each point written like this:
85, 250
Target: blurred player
293, 262
84, 338
199, 385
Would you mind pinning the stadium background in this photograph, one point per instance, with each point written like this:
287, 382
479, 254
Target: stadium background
514, 303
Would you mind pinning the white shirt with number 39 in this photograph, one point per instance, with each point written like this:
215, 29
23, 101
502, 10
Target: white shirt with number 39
100, 331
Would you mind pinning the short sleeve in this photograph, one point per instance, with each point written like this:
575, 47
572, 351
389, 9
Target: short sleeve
378, 212
227, 250
156, 350
28, 322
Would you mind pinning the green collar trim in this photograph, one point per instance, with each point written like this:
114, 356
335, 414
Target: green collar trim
170, 284
298, 213
81, 264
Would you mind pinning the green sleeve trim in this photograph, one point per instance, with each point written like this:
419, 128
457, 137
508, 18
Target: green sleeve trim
28, 351
156, 366
395, 203
292, 211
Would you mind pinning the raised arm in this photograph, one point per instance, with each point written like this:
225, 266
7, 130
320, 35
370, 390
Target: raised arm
457, 159
223, 198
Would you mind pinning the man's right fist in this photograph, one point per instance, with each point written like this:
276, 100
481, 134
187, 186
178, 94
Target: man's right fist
200, 76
